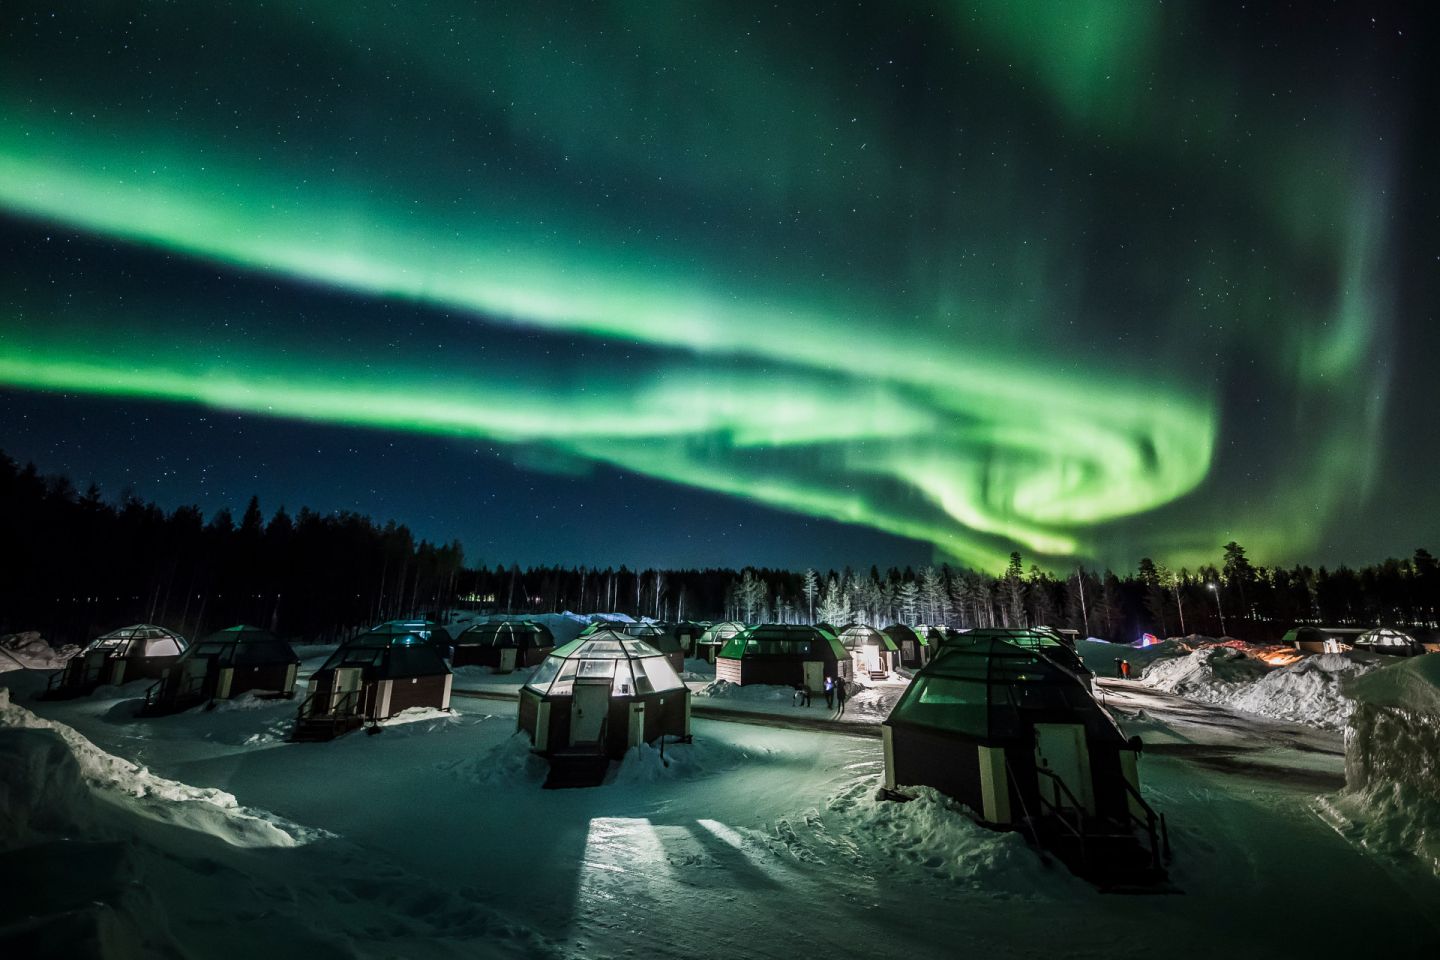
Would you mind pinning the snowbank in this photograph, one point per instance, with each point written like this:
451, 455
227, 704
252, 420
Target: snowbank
749, 693
509, 763
29, 651
118, 781
1310, 690
935, 834
697, 668
1392, 762
1100, 655
432, 715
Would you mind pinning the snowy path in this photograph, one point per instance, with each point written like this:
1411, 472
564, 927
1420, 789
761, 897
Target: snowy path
1226, 740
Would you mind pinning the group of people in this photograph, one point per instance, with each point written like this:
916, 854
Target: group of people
835, 695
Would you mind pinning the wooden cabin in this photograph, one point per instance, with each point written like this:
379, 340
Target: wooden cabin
226, 664
1020, 741
137, 652
913, 645
688, 634
504, 645
601, 694
370, 678
783, 654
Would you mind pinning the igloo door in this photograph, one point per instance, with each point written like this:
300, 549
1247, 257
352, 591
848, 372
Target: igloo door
588, 711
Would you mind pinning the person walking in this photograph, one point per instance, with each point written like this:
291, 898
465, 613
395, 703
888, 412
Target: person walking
840, 696
830, 693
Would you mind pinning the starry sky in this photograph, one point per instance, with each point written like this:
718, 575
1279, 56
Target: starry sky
730, 283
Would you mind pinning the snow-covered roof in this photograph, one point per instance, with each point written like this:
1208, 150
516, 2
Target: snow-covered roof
1412, 684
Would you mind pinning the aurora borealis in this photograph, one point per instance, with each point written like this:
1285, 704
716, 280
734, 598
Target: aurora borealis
1089, 280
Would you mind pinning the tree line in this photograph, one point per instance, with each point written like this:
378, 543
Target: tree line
77, 565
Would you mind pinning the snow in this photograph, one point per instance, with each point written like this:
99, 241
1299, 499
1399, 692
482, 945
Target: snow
1392, 763
1302, 689
119, 781
750, 692
754, 841
936, 836
697, 668
29, 651
1100, 655
1412, 685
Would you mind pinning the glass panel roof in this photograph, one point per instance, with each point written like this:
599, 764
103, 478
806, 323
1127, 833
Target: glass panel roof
606, 653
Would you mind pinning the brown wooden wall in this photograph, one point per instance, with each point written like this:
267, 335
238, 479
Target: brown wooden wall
268, 676
407, 692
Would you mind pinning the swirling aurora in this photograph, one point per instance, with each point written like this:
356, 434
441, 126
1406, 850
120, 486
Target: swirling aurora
979, 275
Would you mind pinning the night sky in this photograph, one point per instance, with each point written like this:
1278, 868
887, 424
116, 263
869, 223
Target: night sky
723, 283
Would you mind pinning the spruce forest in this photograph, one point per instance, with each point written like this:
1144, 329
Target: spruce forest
77, 564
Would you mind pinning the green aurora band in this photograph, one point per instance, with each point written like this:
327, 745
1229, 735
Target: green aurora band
847, 319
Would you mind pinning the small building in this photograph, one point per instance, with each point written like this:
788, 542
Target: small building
783, 654
373, 677
914, 645
661, 638
602, 694
688, 634
1389, 641
873, 654
136, 652
503, 645
715, 636
427, 630
226, 664
1313, 639
1020, 741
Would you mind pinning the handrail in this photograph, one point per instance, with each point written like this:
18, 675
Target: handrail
1025, 811
1077, 828
341, 707
1148, 823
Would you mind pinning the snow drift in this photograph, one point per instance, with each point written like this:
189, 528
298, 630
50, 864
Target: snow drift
749, 693
29, 651
1392, 762
114, 780
1311, 690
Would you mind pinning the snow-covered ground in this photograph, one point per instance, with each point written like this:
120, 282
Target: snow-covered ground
869, 702
1268, 681
753, 842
